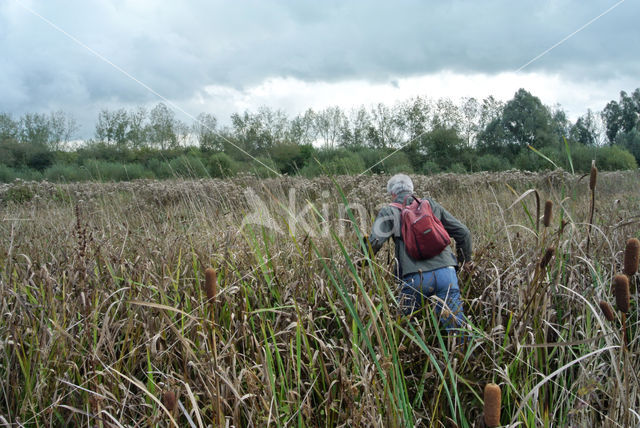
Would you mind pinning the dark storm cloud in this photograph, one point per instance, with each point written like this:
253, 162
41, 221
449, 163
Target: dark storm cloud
178, 48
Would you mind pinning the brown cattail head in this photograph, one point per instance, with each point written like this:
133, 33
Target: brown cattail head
210, 283
492, 404
607, 310
631, 256
548, 254
621, 289
169, 400
548, 209
593, 176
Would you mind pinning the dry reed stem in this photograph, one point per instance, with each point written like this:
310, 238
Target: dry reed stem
548, 210
631, 257
492, 404
607, 310
621, 290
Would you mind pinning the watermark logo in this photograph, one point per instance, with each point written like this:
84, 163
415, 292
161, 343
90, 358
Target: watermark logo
305, 217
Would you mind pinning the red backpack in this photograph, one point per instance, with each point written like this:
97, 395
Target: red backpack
423, 234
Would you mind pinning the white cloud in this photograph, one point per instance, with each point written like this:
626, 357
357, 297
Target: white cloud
293, 96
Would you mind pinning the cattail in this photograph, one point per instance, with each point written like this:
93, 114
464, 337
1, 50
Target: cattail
621, 289
631, 256
547, 257
169, 400
548, 209
492, 403
607, 310
593, 176
210, 283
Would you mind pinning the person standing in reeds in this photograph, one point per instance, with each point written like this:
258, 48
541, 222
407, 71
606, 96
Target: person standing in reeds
422, 278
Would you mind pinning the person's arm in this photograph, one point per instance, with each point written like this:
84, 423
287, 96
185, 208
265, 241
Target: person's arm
458, 231
385, 225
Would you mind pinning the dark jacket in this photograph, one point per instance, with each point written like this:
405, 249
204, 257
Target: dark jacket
387, 224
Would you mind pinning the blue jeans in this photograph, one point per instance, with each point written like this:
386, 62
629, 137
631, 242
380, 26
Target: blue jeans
443, 282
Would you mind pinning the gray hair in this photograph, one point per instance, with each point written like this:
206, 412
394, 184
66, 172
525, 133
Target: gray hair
399, 183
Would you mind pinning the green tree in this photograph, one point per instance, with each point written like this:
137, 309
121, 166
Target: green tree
354, 129
386, 130
622, 116
301, 129
9, 128
442, 146
328, 125
62, 128
631, 142
34, 129
612, 117
137, 132
112, 127
204, 129
258, 132
161, 129
585, 130
415, 117
524, 121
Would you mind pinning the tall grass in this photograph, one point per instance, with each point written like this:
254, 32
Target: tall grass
151, 303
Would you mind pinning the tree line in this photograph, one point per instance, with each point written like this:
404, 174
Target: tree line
422, 136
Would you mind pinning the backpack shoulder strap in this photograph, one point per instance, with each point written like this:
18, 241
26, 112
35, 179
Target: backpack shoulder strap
397, 205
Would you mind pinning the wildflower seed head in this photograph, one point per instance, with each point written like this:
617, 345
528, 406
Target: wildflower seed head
492, 404
593, 176
607, 310
210, 283
548, 209
631, 256
621, 288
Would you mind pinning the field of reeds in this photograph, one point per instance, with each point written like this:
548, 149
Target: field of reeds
249, 302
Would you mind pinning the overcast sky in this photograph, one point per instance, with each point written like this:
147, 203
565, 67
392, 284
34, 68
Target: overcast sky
226, 56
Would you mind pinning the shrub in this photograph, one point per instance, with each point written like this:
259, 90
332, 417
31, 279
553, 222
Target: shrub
491, 162
528, 160
160, 169
259, 169
371, 159
348, 163
188, 166
396, 163
65, 173
615, 158
221, 165
429, 168
457, 168
7, 174
19, 193
112, 171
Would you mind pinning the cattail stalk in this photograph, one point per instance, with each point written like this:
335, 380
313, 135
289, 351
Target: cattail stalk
592, 186
211, 286
548, 210
631, 257
492, 404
